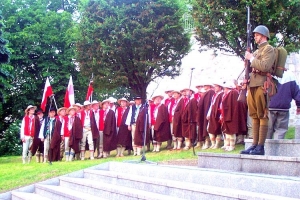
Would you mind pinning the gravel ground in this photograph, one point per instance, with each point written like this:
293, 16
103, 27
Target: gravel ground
181, 162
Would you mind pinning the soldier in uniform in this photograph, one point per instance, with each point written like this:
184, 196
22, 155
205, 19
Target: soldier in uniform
95, 108
29, 130
175, 110
262, 61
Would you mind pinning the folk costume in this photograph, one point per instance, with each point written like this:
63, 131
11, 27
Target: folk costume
107, 125
202, 110
139, 130
90, 133
229, 113
124, 135
161, 126
51, 133
30, 128
72, 134
214, 125
175, 111
189, 121
131, 123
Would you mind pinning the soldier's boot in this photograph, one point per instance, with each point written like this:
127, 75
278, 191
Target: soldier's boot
122, 151
100, 152
259, 150
213, 141
82, 155
24, 160
169, 144
41, 157
67, 158
175, 144
255, 134
134, 150
92, 155
138, 151
29, 157
118, 151
232, 143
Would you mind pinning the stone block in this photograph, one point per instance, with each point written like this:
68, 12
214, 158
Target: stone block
282, 147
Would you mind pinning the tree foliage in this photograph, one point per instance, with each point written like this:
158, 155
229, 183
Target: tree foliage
129, 43
10, 143
222, 24
43, 45
4, 52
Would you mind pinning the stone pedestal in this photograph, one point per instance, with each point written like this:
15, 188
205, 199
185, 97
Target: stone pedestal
283, 147
297, 127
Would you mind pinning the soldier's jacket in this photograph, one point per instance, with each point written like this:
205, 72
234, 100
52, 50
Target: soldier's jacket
263, 62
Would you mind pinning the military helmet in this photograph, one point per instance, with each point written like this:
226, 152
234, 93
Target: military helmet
262, 30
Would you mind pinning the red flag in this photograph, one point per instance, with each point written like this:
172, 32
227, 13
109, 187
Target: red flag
47, 92
69, 96
89, 91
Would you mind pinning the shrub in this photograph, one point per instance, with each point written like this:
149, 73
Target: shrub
10, 143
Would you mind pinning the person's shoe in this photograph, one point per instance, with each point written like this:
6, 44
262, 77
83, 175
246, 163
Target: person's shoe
259, 150
247, 151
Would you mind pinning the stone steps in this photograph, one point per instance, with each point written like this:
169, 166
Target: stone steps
283, 147
58, 192
274, 165
27, 196
182, 189
116, 180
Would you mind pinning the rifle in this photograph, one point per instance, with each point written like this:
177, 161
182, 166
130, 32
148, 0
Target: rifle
243, 92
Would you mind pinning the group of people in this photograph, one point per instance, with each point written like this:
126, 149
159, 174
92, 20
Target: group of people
184, 118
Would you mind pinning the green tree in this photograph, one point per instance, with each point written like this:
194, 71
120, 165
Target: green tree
129, 43
222, 24
4, 52
43, 42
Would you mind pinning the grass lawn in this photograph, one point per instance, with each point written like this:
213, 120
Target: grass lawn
14, 174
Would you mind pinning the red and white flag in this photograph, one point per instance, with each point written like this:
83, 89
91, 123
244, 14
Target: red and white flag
47, 93
69, 97
89, 92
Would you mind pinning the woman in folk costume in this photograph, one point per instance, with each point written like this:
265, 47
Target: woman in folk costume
50, 133
189, 118
229, 115
213, 116
95, 107
29, 131
203, 107
71, 133
38, 145
61, 114
139, 133
90, 130
108, 128
161, 126
124, 135
175, 109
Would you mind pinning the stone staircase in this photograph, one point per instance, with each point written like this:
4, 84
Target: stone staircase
115, 180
